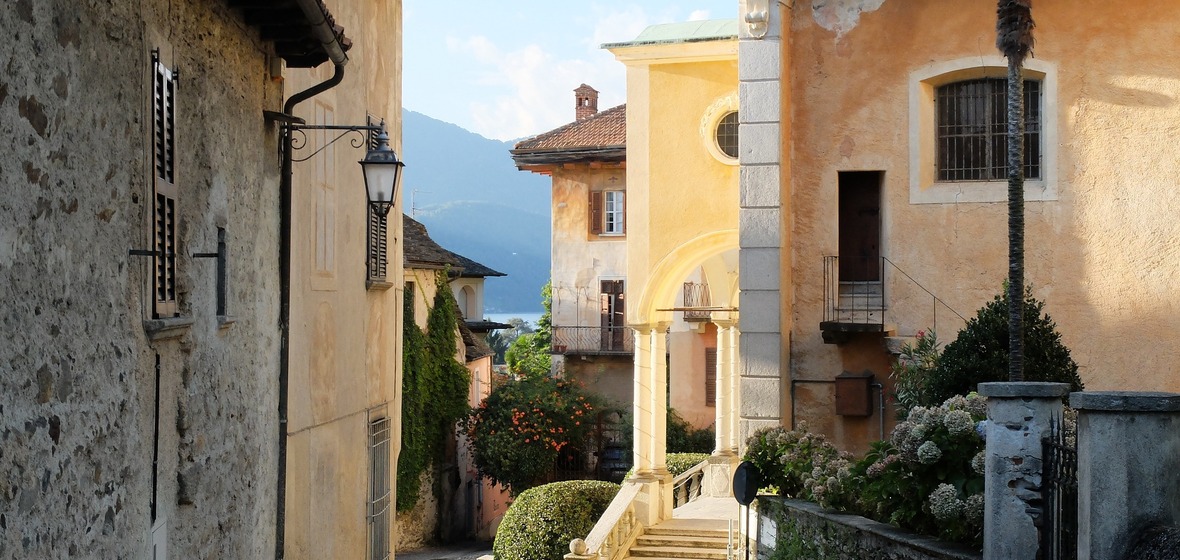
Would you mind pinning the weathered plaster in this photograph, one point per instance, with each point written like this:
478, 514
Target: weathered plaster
841, 16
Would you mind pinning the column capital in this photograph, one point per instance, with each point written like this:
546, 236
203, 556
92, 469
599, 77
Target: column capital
727, 323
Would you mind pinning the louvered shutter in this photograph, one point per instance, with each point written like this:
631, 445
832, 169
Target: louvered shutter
596, 212
378, 231
165, 187
710, 377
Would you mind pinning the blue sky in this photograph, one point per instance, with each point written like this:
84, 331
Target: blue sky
507, 69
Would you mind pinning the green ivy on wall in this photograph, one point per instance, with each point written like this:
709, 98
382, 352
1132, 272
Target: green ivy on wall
434, 390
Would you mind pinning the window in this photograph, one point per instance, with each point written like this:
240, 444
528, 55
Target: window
378, 237
608, 213
165, 189
612, 315
379, 489
710, 377
727, 134
958, 131
972, 136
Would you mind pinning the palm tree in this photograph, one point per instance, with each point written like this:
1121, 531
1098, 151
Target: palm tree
1014, 38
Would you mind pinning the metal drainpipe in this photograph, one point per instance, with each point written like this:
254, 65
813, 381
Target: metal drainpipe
881, 401
285, 202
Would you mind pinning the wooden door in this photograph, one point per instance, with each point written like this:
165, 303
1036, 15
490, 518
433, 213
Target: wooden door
860, 226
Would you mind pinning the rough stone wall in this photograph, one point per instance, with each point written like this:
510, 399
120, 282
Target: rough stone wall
797, 529
77, 370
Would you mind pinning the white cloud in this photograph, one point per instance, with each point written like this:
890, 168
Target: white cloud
698, 15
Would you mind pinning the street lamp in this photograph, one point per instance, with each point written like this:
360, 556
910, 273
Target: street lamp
383, 174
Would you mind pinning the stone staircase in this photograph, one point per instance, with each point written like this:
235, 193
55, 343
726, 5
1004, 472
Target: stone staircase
672, 540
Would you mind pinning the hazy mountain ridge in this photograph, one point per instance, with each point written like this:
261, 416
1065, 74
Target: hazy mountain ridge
474, 201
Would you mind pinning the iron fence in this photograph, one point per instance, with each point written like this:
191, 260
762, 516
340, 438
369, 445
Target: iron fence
1059, 495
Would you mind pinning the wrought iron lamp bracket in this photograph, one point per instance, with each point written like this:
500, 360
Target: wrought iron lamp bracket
300, 142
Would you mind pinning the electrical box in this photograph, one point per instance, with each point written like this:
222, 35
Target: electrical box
854, 394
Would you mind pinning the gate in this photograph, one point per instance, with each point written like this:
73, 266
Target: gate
1059, 494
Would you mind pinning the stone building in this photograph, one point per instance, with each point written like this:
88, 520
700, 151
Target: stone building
141, 257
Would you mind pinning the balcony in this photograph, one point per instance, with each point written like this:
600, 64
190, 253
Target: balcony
593, 341
696, 302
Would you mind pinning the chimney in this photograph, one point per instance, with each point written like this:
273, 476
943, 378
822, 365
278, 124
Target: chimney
586, 101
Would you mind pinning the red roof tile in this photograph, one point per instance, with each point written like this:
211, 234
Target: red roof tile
602, 129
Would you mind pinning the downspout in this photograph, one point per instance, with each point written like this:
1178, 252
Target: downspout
327, 36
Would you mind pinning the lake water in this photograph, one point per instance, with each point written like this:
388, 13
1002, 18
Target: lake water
531, 317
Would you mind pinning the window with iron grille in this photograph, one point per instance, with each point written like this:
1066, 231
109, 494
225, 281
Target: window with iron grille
165, 189
727, 134
972, 125
378, 238
379, 489
608, 212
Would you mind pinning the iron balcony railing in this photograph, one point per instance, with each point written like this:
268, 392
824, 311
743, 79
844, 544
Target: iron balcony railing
696, 294
592, 340
862, 304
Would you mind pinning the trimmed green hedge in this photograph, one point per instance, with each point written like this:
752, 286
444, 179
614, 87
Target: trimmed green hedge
680, 462
543, 520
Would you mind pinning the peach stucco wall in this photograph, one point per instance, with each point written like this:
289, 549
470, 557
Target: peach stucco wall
1101, 253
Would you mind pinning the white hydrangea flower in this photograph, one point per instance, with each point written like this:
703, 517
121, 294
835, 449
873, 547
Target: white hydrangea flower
929, 453
973, 509
945, 504
958, 422
978, 464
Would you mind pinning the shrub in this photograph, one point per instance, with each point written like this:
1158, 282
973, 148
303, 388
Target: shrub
786, 458
519, 430
929, 476
912, 370
980, 353
684, 438
679, 463
541, 522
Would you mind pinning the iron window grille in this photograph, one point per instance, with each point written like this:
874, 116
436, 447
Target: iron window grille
973, 130
727, 134
379, 489
165, 189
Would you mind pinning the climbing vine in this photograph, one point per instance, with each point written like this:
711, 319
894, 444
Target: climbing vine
434, 390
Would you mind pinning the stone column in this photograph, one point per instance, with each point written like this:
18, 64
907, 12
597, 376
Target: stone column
1018, 416
734, 403
641, 405
1128, 460
722, 424
659, 424
718, 479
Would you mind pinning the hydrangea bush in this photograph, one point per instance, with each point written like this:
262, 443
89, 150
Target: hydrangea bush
928, 477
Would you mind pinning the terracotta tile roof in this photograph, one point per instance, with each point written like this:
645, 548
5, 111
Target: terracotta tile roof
603, 129
422, 252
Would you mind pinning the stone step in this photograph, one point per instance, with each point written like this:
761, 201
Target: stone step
693, 541
677, 552
667, 528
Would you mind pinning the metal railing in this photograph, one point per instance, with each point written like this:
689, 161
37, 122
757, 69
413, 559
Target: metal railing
592, 340
1059, 495
696, 294
686, 487
865, 303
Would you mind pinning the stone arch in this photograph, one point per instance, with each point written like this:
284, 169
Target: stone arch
667, 277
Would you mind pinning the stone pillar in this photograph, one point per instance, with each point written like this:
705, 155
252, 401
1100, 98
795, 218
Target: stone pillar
723, 405
641, 405
1018, 416
734, 404
718, 479
659, 424
762, 235
1128, 460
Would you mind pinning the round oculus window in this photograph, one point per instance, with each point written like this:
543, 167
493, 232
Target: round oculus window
727, 134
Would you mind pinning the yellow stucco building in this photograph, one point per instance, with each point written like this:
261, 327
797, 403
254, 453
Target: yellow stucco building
343, 420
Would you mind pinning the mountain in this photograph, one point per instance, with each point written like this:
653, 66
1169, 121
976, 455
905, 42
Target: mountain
474, 201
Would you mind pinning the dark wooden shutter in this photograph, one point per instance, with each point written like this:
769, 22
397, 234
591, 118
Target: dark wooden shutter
378, 242
165, 187
596, 212
710, 377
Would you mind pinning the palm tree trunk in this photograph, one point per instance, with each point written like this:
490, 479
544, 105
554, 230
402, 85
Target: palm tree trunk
1015, 220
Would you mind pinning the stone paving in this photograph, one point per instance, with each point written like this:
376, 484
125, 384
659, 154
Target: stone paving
462, 551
